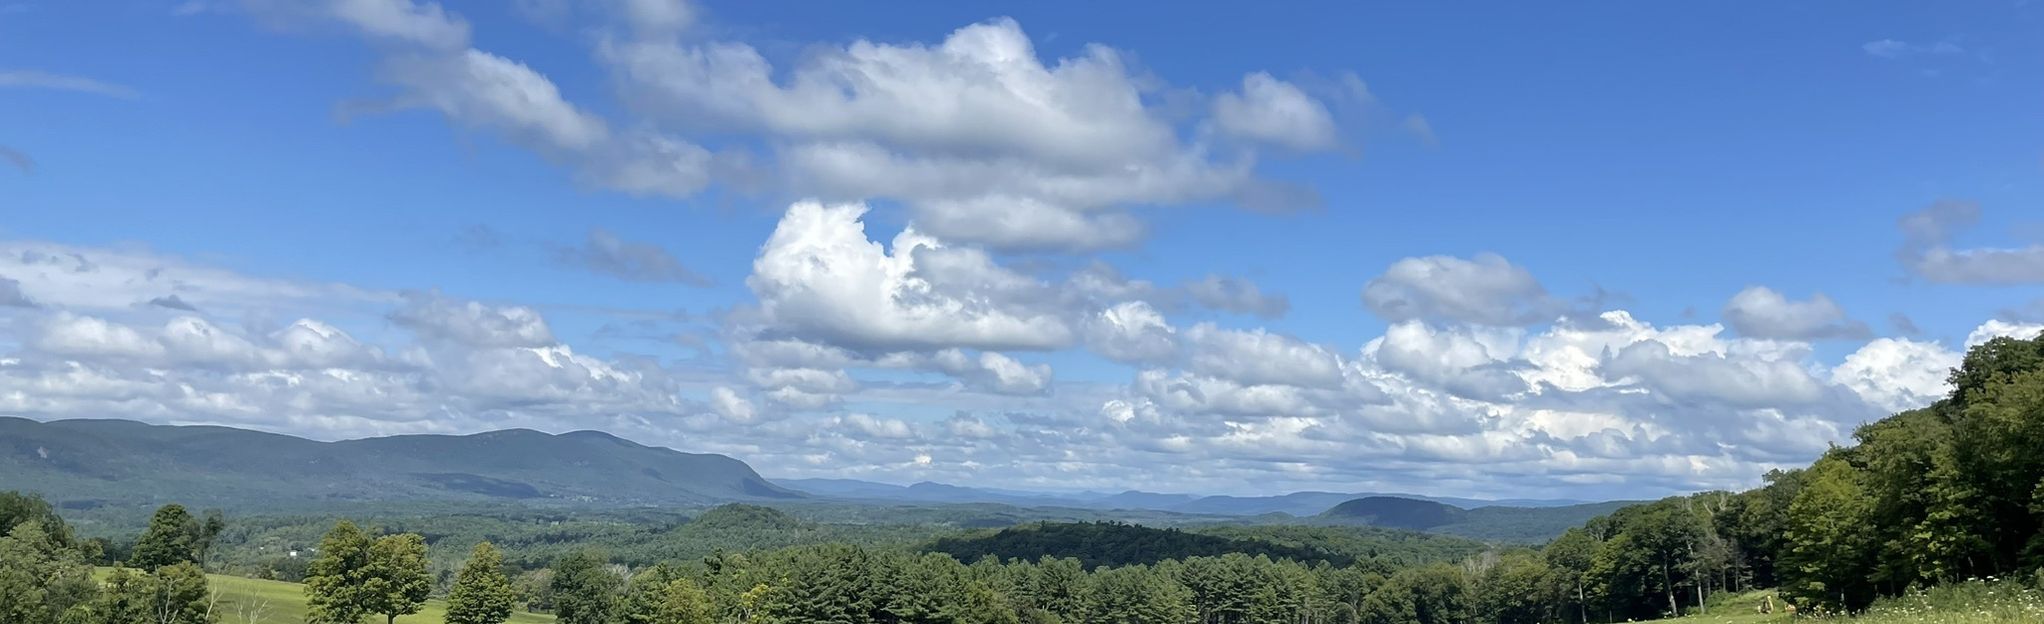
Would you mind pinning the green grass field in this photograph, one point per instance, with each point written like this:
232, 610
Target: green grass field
256, 601
1962, 603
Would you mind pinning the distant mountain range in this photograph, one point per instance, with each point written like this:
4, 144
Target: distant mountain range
87, 463
1296, 503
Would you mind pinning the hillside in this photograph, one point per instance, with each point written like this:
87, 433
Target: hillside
258, 601
1492, 523
1097, 544
82, 464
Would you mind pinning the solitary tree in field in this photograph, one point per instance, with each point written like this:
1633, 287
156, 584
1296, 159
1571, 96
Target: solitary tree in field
481, 594
334, 588
180, 596
396, 582
168, 540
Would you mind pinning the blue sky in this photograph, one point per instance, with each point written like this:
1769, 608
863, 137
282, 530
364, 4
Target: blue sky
1798, 212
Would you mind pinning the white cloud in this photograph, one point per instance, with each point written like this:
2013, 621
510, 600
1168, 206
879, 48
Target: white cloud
984, 141
487, 91
71, 335
732, 407
423, 24
820, 278
1761, 312
1132, 332
1470, 364
32, 79
108, 279
1998, 328
1485, 289
1259, 357
472, 323
1897, 374
1273, 111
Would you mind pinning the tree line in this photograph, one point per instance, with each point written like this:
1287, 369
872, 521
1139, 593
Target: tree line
46, 572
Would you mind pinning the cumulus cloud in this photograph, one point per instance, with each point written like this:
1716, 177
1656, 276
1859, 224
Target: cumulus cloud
1260, 357
1276, 112
1927, 252
1760, 312
1471, 363
986, 142
472, 323
1897, 374
603, 252
1485, 289
987, 371
1132, 331
819, 277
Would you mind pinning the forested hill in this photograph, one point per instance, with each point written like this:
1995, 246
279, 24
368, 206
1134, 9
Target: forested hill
85, 463
1931, 496
1115, 544
1493, 523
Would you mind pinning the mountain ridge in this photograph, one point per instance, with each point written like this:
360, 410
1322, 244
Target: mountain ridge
90, 462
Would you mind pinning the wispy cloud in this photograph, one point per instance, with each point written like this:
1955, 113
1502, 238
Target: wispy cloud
1892, 49
32, 79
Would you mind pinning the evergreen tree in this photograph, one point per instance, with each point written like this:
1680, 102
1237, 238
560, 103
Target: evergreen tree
482, 594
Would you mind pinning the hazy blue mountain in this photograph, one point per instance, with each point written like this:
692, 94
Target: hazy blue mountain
86, 463
1301, 504
1134, 499
1493, 523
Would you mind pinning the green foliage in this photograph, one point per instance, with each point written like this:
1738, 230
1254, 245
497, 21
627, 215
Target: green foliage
482, 594
585, 591
395, 582
1115, 544
17, 508
174, 536
41, 578
336, 588
1436, 594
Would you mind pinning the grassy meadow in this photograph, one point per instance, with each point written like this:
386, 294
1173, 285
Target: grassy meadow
1992, 602
257, 601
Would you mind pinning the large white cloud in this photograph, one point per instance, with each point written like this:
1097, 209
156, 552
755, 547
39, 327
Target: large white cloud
820, 277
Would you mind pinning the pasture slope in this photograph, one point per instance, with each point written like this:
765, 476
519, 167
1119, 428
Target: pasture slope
256, 601
1971, 602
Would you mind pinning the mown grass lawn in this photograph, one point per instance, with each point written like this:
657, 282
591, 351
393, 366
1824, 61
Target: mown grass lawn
257, 601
